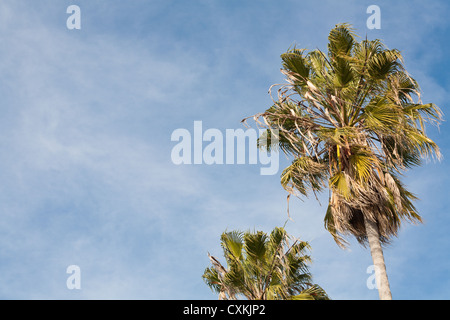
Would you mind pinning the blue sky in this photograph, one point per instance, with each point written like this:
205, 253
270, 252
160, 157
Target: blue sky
86, 120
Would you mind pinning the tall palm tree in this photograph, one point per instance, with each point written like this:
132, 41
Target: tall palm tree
350, 122
261, 267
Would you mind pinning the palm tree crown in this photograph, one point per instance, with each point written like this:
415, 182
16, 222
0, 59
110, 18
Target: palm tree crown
262, 267
350, 122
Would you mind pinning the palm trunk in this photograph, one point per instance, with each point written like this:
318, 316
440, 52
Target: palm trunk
378, 260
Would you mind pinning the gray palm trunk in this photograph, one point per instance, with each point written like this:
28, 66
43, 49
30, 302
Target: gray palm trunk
378, 259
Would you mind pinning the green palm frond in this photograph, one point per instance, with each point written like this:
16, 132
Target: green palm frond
313, 293
381, 115
341, 40
296, 66
340, 184
362, 162
382, 64
304, 174
232, 243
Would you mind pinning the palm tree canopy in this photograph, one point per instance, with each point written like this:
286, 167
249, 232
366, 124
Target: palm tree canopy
353, 121
262, 267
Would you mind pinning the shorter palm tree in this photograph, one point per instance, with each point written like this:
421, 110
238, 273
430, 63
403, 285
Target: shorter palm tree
262, 267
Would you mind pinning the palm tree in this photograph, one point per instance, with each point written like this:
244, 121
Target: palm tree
261, 267
349, 121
